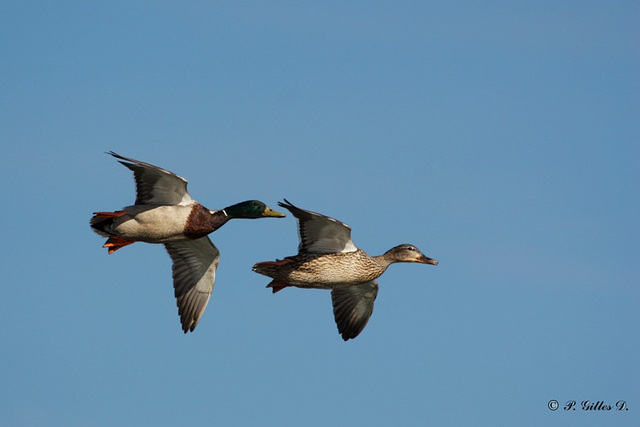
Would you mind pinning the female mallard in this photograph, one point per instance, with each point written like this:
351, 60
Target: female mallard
328, 259
164, 212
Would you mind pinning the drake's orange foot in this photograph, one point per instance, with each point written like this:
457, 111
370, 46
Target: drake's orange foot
277, 286
115, 214
115, 242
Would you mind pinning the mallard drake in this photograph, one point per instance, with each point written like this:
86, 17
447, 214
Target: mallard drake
328, 259
164, 212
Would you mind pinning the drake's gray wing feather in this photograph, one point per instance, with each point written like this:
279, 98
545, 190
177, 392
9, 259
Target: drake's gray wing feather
320, 234
155, 185
352, 307
194, 273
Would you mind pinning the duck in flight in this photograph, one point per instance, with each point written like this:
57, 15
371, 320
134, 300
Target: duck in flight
164, 212
328, 259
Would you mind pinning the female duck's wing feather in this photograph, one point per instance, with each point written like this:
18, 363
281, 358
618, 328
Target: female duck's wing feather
155, 185
320, 234
352, 307
194, 273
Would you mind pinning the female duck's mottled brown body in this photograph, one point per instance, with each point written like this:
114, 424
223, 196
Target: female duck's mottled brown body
328, 259
325, 271
164, 212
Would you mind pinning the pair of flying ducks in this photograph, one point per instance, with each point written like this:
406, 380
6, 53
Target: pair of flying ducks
164, 212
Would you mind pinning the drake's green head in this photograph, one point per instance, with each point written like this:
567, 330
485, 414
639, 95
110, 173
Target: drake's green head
251, 209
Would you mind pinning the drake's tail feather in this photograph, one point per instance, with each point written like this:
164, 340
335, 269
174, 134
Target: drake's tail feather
101, 222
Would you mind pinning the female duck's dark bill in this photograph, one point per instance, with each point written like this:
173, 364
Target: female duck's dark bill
427, 260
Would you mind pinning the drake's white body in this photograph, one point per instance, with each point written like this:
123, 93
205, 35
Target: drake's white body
151, 224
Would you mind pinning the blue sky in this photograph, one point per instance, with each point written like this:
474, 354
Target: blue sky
501, 139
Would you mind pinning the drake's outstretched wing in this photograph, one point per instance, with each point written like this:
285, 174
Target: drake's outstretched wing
194, 273
155, 185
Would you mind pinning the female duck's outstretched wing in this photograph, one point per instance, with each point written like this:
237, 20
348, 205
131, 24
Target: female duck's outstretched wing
156, 186
352, 307
320, 234
194, 272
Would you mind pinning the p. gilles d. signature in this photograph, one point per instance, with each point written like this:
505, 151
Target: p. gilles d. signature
588, 405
